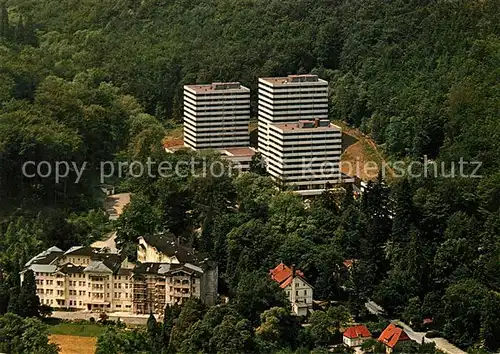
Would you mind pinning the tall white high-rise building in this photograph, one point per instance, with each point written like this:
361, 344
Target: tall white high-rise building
288, 100
216, 116
305, 155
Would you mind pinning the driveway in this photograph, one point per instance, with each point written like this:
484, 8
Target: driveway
441, 343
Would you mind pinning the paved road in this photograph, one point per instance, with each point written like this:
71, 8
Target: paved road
441, 343
115, 203
374, 308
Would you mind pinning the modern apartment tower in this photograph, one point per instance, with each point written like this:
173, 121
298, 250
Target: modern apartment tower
305, 155
216, 116
288, 100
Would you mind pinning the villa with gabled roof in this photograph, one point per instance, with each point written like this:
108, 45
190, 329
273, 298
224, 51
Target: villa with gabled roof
297, 289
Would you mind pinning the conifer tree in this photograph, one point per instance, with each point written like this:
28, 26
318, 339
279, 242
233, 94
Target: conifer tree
19, 31
4, 21
29, 303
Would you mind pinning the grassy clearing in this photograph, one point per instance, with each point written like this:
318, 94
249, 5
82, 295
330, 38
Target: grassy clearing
77, 329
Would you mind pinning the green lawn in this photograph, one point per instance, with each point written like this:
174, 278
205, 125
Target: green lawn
77, 329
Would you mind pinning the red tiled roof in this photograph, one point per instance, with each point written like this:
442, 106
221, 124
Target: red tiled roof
392, 335
282, 274
348, 263
286, 283
359, 331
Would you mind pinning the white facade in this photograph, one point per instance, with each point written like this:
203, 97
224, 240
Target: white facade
74, 281
88, 278
355, 342
147, 253
300, 294
216, 116
289, 99
305, 155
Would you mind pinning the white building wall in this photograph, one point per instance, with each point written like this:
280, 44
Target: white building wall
216, 116
354, 342
305, 158
281, 100
149, 254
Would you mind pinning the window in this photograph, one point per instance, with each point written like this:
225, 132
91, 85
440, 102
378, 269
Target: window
305, 292
297, 293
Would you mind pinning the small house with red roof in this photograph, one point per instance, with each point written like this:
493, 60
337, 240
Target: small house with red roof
297, 289
355, 336
391, 336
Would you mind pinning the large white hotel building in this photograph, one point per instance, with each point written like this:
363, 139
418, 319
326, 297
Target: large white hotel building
305, 155
288, 100
300, 146
216, 116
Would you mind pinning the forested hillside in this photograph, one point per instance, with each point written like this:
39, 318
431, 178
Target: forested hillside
89, 81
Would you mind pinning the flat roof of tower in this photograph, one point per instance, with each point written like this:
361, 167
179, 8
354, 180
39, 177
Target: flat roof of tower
286, 127
294, 79
217, 87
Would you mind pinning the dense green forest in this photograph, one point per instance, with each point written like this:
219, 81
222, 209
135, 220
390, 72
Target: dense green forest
90, 81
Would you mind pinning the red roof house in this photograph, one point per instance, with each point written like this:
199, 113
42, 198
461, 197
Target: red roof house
298, 290
391, 336
355, 336
282, 274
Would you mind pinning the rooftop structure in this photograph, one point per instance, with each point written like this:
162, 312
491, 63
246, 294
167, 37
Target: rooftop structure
240, 157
